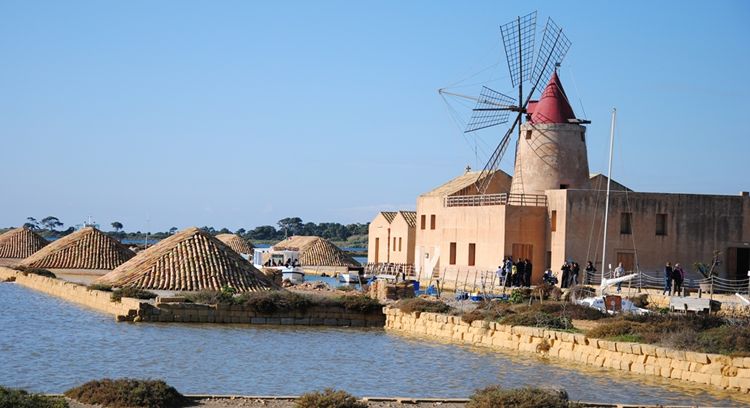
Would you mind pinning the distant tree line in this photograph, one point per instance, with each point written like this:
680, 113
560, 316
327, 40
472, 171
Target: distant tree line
52, 226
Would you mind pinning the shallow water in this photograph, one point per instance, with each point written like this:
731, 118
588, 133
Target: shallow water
49, 345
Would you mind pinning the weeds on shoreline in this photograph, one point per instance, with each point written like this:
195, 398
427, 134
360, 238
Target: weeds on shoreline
495, 396
328, 398
35, 271
283, 301
127, 392
12, 398
412, 305
131, 292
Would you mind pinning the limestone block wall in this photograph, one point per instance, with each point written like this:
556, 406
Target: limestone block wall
95, 299
708, 369
313, 316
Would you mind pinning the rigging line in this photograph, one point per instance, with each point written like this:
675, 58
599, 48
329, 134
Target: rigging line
593, 219
457, 121
474, 75
575, 86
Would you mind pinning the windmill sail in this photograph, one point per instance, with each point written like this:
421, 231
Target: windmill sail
492, 109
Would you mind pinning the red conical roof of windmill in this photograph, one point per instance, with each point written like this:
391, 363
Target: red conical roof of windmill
553, 106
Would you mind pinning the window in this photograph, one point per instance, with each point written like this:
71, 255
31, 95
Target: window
399, 244
528, 135
452, 259
472, 254
432, 221
422, 221
377, 250
626, 220
394, 244
661, 224
563, 186
583, 137
553, 221
548, 260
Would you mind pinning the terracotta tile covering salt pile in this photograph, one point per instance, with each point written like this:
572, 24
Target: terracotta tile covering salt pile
235, 242
87, 248
190, 260
316, 251
20, 243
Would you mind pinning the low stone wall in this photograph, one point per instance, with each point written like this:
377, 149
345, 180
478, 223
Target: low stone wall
710, 369
313, 316
140, 311
127, 309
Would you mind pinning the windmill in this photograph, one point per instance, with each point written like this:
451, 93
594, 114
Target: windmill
494, 108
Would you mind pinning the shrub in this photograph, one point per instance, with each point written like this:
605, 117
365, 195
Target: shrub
329, 398
639, 300
518, 295
131, 292
127, 392
10, 398
359, 303
36, 271
537, 319
526, 397
100, 286
213, 297
422, 305
275, 301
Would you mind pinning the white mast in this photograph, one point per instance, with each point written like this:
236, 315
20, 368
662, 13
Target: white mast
609, 180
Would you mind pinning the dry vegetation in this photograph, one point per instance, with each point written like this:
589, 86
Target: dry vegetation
127, 392
284, 301
526, 397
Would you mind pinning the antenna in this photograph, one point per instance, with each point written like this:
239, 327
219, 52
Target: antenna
493, 108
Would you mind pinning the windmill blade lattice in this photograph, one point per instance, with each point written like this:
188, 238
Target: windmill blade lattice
552, 50
492, 109
518, 39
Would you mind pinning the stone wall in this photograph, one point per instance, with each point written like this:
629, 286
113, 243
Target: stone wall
164, 311
313, 316
709, 369
127, 309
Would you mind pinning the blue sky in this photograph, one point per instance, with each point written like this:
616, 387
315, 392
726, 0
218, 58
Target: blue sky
237, 114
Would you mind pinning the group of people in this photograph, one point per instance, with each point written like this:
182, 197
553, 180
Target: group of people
673, 278
289, 262
515, 273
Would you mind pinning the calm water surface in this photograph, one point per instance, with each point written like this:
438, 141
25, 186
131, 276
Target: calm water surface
49, 345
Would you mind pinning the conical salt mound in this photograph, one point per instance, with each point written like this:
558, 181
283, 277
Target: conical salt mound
316, 251
190, 260
20, 243
87, 248
235, 242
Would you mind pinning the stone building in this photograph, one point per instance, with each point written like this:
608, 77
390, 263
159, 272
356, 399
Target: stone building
552, 210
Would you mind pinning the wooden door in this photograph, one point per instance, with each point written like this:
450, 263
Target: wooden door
523, 251
627, 259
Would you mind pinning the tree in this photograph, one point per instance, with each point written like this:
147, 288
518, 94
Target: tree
240, 232
51, 223
117, 225
225, 231
290, 226
263, 232
31, 223
172, 230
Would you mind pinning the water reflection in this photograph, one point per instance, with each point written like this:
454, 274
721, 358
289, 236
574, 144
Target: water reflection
48, 345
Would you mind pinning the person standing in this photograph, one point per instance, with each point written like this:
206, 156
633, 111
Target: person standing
565, 275
508, 270
590, 271
667, 279
678, 276
619, 271
527, 270
574, 271
500, 275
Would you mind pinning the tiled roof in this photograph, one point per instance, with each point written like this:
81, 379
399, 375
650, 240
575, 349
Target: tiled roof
87, 248
459, 183
410, 217
236, 242
316, 251
389, 215
20, 243
190, 260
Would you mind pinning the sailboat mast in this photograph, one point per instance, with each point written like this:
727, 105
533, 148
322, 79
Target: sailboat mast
609, 180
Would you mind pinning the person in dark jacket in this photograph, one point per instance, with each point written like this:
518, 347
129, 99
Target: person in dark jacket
565, 275
575, 270
667, 279
521, 272
590, 271
527, 269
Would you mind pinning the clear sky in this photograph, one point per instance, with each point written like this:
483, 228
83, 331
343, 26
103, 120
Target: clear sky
236, 114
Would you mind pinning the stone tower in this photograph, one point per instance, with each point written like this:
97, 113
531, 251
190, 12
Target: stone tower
551, 151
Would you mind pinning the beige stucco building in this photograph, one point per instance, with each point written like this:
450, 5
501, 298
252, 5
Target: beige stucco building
391, 237
552, 210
